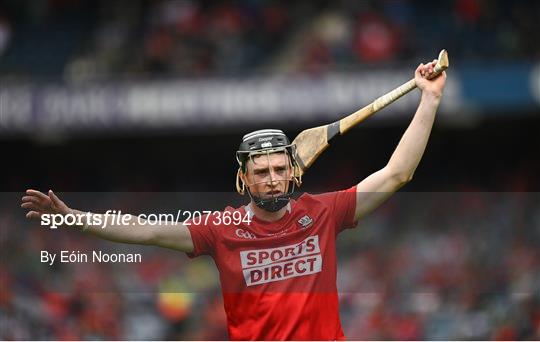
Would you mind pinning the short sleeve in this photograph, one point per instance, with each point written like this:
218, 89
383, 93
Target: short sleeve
203, 236
343, 204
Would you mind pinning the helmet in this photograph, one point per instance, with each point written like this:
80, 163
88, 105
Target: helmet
266, 142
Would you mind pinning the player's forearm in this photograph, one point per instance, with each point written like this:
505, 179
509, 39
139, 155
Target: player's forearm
412, 145
117, 228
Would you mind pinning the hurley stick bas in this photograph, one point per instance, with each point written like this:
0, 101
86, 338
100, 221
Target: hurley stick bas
311, 142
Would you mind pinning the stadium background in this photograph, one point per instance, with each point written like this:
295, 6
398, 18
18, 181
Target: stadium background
456, 256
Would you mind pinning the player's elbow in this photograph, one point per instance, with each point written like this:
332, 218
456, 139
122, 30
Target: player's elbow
401, 180
405, 178
399, 177
143, 236
151, 238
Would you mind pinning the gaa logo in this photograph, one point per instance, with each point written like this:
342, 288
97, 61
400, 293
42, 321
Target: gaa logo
244, 234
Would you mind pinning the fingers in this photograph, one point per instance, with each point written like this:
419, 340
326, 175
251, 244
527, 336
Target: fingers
426, 70
38, 194
37, 202
30, 205
420, 70
35, 210
53, 197
32, 199
41, 203
33, 215
33, 203
56, 201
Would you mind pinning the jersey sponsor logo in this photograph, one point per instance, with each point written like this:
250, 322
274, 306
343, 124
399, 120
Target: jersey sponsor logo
244, 234
305, 221
274, 264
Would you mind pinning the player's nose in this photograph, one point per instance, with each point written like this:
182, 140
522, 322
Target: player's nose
273, 183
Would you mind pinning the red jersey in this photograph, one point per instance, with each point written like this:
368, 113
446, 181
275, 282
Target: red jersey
278, 279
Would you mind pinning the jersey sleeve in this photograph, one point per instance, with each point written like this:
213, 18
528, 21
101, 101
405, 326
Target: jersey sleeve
343, 206
203, 236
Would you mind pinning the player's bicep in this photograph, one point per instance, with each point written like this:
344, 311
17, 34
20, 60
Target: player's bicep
175, 237
374, 190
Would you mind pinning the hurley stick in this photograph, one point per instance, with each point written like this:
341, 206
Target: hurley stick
311, 142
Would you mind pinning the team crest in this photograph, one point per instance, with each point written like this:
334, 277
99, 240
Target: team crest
305, 221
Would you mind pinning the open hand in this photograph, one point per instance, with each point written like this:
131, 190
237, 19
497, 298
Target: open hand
38, 203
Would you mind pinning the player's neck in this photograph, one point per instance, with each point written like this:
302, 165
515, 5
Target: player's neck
268, 216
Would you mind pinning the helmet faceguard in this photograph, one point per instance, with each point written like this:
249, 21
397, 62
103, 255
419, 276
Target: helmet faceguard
260, 145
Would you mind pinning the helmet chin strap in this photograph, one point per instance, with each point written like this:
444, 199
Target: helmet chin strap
271, 204
249, 209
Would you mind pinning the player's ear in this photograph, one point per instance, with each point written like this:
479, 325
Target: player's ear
240, 181
295, 171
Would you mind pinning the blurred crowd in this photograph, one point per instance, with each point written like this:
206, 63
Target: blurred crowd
85, 39
424, 266
445, 266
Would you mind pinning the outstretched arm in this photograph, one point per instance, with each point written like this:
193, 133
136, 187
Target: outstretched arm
376, 188
136, 231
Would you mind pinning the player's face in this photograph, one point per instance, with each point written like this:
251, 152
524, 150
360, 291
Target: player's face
268, 175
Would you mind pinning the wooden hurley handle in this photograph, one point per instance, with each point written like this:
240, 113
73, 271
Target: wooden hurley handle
355, 118
311, 142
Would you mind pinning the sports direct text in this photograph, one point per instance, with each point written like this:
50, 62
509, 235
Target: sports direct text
274, 264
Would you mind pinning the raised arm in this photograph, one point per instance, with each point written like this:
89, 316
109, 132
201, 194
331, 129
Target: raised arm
134, 231
376, 188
